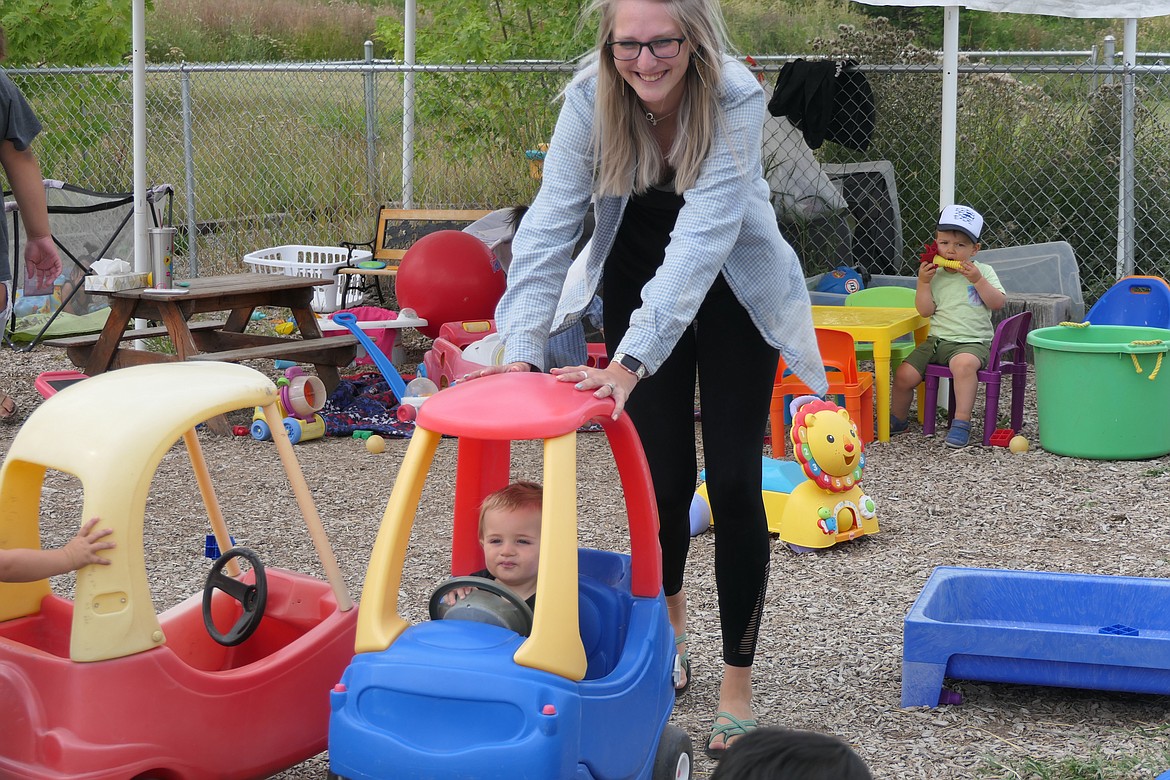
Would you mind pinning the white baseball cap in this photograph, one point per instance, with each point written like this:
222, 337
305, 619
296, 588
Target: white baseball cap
964, 219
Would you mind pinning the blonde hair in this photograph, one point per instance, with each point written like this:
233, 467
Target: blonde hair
622, 140
518, 495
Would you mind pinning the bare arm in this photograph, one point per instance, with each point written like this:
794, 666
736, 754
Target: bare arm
24, 174
26, 565
923, 297
992, 297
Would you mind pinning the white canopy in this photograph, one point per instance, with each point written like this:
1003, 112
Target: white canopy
1075, 9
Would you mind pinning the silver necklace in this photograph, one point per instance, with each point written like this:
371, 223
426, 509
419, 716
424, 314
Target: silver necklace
654, 120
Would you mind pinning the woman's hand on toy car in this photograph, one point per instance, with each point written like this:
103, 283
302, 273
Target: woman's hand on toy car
611, 382
489, 370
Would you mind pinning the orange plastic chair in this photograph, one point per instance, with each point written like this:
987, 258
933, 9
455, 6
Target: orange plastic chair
840, 361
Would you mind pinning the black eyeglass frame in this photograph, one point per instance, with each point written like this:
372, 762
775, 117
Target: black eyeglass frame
678, 42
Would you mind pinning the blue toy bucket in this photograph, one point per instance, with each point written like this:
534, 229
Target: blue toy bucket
1103, 391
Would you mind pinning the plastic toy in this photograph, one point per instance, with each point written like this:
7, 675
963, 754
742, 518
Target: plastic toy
589, 692
418, 390
943, 262
815, 501
382, 325
49, 382
301, 396
445, 363
1095, 631
1142, 301
447, 276
393, 378
1019, 444
375, 444
465, 332
102, 687
1001, 437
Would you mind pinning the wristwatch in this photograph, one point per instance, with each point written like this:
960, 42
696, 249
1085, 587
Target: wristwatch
631, 364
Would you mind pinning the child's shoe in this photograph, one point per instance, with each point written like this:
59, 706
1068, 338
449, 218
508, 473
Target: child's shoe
898, 426
960, 434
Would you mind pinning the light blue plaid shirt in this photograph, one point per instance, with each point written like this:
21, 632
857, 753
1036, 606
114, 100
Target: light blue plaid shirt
726, 224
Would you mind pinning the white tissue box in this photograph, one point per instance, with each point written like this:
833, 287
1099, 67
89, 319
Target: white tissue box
115, 282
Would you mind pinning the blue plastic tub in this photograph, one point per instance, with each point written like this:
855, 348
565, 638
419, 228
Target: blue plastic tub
1036, 628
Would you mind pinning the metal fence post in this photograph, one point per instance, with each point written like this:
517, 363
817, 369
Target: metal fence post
1126, 203
1110, 52
189, 170
408, 108
371, 126
1093, 60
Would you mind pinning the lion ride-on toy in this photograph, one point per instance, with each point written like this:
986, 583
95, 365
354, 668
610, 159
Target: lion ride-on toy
587, 691
815, 501
102, 687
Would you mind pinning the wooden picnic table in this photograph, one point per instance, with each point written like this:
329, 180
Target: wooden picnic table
227, 340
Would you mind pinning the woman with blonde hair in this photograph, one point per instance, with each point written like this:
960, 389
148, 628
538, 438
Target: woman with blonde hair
662, 131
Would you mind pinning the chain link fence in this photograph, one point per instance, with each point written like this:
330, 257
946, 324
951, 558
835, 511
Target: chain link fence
274, 154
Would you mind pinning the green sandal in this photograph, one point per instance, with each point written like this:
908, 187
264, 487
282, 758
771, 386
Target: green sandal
733, 728
682, 665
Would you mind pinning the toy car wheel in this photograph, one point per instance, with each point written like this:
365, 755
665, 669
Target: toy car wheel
490, 602
252, 598
674, 758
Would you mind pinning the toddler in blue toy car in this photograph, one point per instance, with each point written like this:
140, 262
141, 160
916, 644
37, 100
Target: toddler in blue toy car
509, 532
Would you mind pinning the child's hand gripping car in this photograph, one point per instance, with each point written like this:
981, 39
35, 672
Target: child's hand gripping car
588, 692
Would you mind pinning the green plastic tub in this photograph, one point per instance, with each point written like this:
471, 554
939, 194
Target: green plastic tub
1103, 391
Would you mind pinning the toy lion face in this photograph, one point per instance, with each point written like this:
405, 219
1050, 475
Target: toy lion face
827, 445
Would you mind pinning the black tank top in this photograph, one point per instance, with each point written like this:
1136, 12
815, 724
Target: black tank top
640, 244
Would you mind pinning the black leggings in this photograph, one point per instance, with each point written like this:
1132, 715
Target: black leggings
736, 369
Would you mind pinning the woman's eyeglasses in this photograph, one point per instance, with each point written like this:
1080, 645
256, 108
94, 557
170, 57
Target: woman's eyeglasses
663, 48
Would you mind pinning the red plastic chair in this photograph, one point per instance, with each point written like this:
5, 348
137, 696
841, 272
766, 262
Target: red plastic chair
840, 361
1008, 357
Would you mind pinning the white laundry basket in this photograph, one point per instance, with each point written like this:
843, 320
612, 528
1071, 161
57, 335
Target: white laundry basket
320, 262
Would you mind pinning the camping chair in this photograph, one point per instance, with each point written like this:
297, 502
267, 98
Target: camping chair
1007, 358
891, 297
840, 361
87, 226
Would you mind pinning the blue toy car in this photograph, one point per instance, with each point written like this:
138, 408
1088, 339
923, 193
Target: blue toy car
588, 691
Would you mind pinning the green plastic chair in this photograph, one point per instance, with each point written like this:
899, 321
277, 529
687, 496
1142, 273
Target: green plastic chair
889, 297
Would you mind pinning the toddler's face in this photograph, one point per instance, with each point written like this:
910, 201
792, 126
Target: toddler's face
955, 245
511, 548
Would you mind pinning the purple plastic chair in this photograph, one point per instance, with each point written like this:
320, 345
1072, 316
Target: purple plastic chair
1007, 358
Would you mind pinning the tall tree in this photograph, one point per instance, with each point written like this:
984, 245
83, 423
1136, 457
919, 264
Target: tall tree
67, 32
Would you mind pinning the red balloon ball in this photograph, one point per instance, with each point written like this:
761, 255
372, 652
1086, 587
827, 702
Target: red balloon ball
449, 276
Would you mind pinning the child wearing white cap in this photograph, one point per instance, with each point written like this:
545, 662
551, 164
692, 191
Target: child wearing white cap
959, 302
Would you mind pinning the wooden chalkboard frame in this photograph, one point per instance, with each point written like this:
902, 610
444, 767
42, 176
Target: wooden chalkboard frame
398, 229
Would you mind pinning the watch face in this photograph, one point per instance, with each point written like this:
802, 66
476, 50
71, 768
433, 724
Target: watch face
633, 364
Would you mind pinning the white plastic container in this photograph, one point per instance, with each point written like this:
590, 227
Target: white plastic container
320, 262
488, 351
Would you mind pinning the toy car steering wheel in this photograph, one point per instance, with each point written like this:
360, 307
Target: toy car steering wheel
252, 598
490, 602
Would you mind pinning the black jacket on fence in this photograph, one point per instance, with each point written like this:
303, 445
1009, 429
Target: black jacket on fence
827, 100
